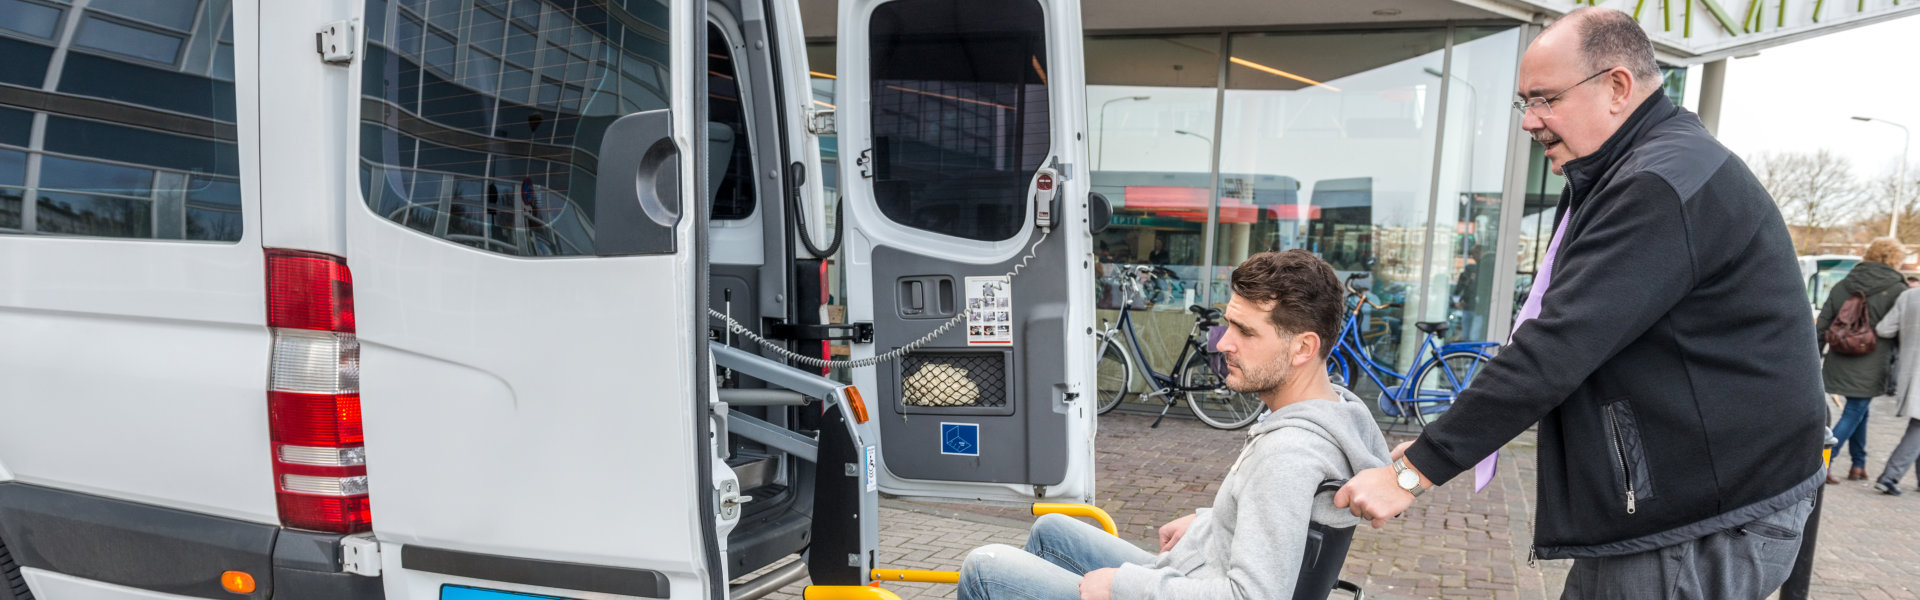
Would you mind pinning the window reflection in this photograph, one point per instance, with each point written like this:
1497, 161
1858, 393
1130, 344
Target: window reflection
488, 135
960, 115
1351, 119
139, 166
1152, 111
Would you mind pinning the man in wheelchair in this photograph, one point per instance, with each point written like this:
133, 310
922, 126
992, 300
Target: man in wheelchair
1285, 312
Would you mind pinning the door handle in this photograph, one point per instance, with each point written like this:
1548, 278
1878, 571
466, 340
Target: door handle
637, 202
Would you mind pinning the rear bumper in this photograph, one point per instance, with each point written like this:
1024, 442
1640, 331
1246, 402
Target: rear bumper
64, 539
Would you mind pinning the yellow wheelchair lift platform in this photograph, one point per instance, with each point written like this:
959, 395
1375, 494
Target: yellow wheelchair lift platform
867, 592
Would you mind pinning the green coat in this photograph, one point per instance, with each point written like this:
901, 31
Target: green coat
1862, 376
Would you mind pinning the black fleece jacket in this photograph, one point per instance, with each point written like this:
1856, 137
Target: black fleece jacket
1673, 368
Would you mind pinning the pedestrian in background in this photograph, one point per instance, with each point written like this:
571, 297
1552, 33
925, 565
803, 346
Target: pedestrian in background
1861, 377
1903, 323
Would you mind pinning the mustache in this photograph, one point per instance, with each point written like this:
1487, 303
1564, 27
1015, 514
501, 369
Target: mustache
1545, 137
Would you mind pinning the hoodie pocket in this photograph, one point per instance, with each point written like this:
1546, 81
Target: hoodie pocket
1629, 454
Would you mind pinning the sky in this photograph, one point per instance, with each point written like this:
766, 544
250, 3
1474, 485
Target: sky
1800, 97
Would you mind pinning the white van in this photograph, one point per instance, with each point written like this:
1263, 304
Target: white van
1822, 272
411, 299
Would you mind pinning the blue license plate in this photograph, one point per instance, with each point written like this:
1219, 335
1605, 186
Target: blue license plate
455, 592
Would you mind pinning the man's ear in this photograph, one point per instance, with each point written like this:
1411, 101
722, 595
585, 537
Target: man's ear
1620, 89
1306, 347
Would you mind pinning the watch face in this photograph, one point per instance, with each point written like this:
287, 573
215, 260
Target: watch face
1408, 479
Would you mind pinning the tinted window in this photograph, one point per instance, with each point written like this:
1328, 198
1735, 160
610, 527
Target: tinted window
959, 113
13, 174
493, 114
129, 40
14, 127
37, 20
101, 169
730, 180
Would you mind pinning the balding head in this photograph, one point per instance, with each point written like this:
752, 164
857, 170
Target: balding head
1610, 38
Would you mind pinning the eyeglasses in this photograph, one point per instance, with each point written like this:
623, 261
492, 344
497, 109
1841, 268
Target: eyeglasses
1546, 104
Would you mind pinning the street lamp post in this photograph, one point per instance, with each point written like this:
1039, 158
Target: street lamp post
1100, 162
1203, 138
1900, 181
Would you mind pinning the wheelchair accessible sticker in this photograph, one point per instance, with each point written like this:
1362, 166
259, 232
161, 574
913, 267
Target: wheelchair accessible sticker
991, 300
960, 439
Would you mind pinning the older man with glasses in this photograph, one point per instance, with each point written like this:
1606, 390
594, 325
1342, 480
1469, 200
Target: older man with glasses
1665, 352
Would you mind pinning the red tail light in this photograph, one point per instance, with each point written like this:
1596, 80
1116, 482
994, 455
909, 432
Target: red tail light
313, 394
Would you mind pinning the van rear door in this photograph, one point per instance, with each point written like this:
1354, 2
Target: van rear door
961, 138
527, 268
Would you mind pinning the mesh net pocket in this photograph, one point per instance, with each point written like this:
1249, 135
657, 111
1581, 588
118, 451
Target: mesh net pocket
954, 380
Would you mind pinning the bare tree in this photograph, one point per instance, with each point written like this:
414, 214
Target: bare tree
1877, 198
1816, 192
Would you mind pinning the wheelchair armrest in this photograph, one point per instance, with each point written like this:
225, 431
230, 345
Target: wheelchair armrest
1078, 510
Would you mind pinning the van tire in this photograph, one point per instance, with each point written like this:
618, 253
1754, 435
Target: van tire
12, 585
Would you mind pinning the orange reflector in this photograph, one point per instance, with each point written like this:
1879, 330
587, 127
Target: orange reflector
237, 582
859, 406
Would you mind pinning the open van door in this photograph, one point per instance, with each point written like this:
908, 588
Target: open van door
527, 262
961, 132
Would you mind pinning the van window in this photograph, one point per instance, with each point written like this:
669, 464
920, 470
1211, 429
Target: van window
157, 160
960, 119
727, 132
482, 121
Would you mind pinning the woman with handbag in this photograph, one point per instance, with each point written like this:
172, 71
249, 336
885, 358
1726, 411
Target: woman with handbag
1860, 376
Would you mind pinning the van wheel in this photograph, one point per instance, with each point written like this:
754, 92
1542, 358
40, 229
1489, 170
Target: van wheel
12, 585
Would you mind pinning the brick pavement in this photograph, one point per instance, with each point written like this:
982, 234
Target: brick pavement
1453, 544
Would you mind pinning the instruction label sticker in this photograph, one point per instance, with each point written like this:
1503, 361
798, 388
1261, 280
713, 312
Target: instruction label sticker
960, 439
873, 473
991, 300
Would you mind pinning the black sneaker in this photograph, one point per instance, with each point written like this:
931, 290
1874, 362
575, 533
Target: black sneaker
1886, 488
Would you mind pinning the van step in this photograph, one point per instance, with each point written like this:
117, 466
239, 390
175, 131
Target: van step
752, 471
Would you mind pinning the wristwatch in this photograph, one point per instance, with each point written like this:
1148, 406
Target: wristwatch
1408, 480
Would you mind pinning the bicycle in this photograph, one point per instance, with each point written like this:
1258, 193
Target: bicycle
1199, 374
1429, 386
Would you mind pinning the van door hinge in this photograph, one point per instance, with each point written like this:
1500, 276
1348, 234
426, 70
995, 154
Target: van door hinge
360, 555
338, 42
820, 121
866, 163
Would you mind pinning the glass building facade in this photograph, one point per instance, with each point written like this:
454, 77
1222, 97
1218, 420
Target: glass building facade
1384, 152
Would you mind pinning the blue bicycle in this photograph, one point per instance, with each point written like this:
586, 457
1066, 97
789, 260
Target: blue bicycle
1427, 388
1199, 375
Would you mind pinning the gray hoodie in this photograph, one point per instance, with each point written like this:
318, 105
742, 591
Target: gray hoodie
1250, 543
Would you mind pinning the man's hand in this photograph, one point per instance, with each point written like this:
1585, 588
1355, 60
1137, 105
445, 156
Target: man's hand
1375, 495
1171, 532
1098, 585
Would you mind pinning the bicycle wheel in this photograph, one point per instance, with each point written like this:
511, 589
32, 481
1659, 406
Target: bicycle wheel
1337, 370
1115, 381
1439, 382
1217, 406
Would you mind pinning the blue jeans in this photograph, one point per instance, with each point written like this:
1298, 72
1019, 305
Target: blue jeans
1060, 550
1852, 430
